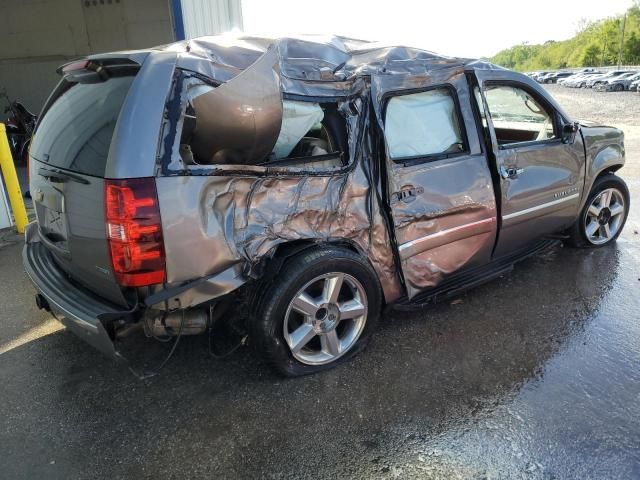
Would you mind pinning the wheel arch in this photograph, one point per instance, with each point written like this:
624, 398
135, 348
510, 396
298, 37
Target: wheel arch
604, 152
273, 262
607, 170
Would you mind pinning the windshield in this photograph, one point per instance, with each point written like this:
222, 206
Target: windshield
76, 130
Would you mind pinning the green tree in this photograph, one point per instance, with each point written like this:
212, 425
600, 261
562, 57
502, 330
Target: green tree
609, 41
591, 55
631, 51
595, 43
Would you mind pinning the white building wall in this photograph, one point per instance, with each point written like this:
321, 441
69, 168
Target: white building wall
210, 17
5, 212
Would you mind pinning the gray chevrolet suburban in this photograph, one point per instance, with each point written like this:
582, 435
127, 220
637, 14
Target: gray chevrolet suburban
305, 182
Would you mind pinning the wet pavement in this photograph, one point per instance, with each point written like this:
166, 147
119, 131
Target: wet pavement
535, 375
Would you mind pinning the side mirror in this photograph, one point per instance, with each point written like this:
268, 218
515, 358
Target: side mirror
569, 133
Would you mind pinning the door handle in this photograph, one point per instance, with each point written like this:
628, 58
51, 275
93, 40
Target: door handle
510, 172
407, 195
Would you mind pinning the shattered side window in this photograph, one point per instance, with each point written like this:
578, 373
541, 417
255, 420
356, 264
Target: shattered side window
312, 136
423, 124
309, 134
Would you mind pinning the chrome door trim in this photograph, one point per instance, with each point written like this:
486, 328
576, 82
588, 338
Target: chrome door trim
443, 237
540, 207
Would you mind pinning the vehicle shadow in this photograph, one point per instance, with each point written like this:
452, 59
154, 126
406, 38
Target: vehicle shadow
433, 368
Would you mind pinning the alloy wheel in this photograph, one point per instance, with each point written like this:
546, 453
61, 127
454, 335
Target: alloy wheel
325, 318
604, 216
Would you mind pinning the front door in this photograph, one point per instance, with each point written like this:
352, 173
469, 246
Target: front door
541, 177
438, 183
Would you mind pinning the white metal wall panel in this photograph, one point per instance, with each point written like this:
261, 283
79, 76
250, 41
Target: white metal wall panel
210, 17
5, 213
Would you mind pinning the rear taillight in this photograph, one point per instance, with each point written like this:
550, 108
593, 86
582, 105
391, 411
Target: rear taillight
77, 65
134, 231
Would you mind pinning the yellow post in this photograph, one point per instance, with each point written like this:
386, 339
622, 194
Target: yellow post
11, 181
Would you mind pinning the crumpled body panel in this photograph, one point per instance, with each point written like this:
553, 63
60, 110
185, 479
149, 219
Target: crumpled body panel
239, 121
451, 225
213, 222
448, 221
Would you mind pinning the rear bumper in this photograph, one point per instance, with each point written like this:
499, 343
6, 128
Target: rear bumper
79, 310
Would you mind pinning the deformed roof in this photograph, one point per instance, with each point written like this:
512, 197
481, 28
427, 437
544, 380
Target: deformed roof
314, 58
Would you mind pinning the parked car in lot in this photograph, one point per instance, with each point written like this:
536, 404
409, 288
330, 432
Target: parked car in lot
564, 80
537, 76
579, 80
569, 78
554, 77
598, 79
619, 83
308, 183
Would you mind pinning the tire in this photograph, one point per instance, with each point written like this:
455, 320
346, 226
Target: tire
618, 88
618, 194
275, 318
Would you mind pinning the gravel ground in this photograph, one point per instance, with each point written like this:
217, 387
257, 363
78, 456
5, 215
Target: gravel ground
617, 108
532, 376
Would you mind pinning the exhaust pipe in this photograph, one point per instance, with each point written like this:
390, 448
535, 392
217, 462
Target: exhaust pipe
194, 321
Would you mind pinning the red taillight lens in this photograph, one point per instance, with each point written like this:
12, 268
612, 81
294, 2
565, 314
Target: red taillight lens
134, 231
78, 65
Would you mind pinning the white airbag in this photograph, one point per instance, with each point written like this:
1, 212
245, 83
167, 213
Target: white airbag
297, 120
420, 124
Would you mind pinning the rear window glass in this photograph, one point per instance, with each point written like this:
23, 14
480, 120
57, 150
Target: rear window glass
76, 130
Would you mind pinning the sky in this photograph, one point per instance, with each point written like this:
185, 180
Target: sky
463, 28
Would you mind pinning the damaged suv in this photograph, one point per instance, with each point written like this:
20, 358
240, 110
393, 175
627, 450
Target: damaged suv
308, 182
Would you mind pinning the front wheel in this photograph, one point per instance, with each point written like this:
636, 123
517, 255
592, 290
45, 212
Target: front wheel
604, 215
319, 311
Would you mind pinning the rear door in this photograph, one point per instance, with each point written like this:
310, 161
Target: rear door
541, 177
439, 184
68, 162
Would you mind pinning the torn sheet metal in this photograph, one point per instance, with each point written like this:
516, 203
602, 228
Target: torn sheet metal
239, 121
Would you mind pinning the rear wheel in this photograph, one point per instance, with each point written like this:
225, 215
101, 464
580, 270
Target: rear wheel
319, 311
604, 215
618, 88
